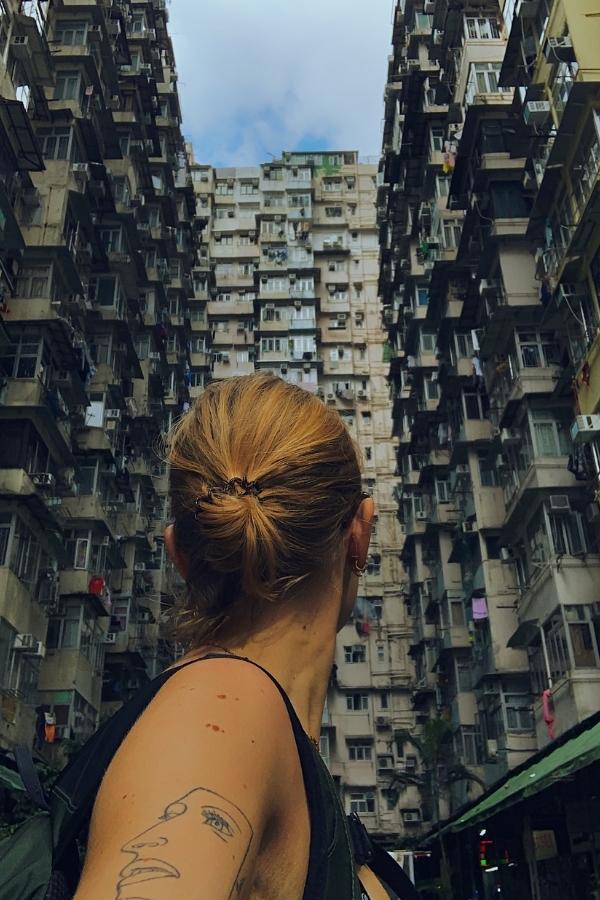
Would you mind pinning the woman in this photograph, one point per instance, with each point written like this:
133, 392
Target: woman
218, 791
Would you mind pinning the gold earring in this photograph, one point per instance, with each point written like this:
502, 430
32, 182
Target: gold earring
357, 569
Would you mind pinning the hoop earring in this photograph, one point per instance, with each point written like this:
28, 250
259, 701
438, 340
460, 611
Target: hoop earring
357, 569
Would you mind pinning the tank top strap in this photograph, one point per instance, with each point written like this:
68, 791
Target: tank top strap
331, 872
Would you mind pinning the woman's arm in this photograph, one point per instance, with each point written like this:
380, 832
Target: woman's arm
183, 808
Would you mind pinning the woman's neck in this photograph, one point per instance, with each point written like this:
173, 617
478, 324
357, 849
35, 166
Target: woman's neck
296, 644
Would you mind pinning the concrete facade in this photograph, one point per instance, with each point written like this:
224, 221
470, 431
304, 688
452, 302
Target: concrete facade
96, 256
489, 284
290, 279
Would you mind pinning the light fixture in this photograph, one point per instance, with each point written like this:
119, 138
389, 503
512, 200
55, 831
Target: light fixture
492, 869
483, 832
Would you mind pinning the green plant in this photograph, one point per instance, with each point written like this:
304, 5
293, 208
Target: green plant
439, 771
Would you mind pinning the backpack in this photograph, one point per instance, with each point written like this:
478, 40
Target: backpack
41, 860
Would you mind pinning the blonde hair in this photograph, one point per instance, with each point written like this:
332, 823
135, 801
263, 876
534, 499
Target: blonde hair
256, 547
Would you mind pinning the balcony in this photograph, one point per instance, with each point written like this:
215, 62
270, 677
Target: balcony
545, 474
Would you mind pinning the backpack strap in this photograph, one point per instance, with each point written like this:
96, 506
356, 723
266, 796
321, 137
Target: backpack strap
369, 853
30, 778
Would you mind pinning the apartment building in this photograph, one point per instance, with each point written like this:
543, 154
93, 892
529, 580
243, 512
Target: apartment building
96, 254
489, 281
289, 271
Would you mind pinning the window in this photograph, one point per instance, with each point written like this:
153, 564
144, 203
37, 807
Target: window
356, 653
551, 436
486, 77
442, 188
468, 745
34, 281
381, 654
481, 29
248, 187
331, 185
464, 344
432, 388
384, 700
519, 715
333, 212
224, 189
464, 675
64, 629
488, 470
437, 137
273, 345
537, 349
77, 547
359, 751
23, 359
67, 86
451, 233
476, 405
357, 702
55, 142
71, 34
442, 490
428, 342
422, 295
111, 239
583, 638
362, 802
568, 536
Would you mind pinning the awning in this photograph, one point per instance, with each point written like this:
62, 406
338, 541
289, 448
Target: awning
20, 136
557, 765
10, 779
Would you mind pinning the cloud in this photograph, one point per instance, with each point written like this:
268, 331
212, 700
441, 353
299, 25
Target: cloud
260, 76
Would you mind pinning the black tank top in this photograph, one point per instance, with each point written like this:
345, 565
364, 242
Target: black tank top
331, 871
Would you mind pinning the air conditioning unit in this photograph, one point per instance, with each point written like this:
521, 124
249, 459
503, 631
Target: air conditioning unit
559, 49
536, 112
298, 304
510, 436
29, 645
585, 428
421, 515
139, 567
225, 358
20, 47
43, 479
560, 503
381, 721
342, 317
506, 554
145, 68
112, 414
362, 395
81, 169
154, 356
492, 748
110, 637
411, 816
469, 527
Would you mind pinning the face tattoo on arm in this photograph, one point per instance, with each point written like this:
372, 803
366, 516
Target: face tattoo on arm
157, 855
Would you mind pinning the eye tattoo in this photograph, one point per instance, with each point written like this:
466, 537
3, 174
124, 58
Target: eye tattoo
219, 824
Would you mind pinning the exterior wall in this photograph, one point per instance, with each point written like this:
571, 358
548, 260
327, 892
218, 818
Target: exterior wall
508, 249
95, 275
286, 270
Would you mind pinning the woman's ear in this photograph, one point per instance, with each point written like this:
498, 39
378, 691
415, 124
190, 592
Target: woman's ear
360, 532
176, 557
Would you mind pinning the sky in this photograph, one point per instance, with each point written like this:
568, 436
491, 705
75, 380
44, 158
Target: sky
257, 77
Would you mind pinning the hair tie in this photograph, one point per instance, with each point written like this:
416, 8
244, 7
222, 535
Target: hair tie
240, 487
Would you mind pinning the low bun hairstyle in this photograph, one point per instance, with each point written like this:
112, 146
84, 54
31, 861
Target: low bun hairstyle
258, 545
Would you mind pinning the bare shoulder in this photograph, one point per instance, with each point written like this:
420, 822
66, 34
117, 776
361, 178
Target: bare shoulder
210, 713
202, 773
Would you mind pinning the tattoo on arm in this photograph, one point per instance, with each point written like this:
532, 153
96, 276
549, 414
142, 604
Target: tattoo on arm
150, 849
